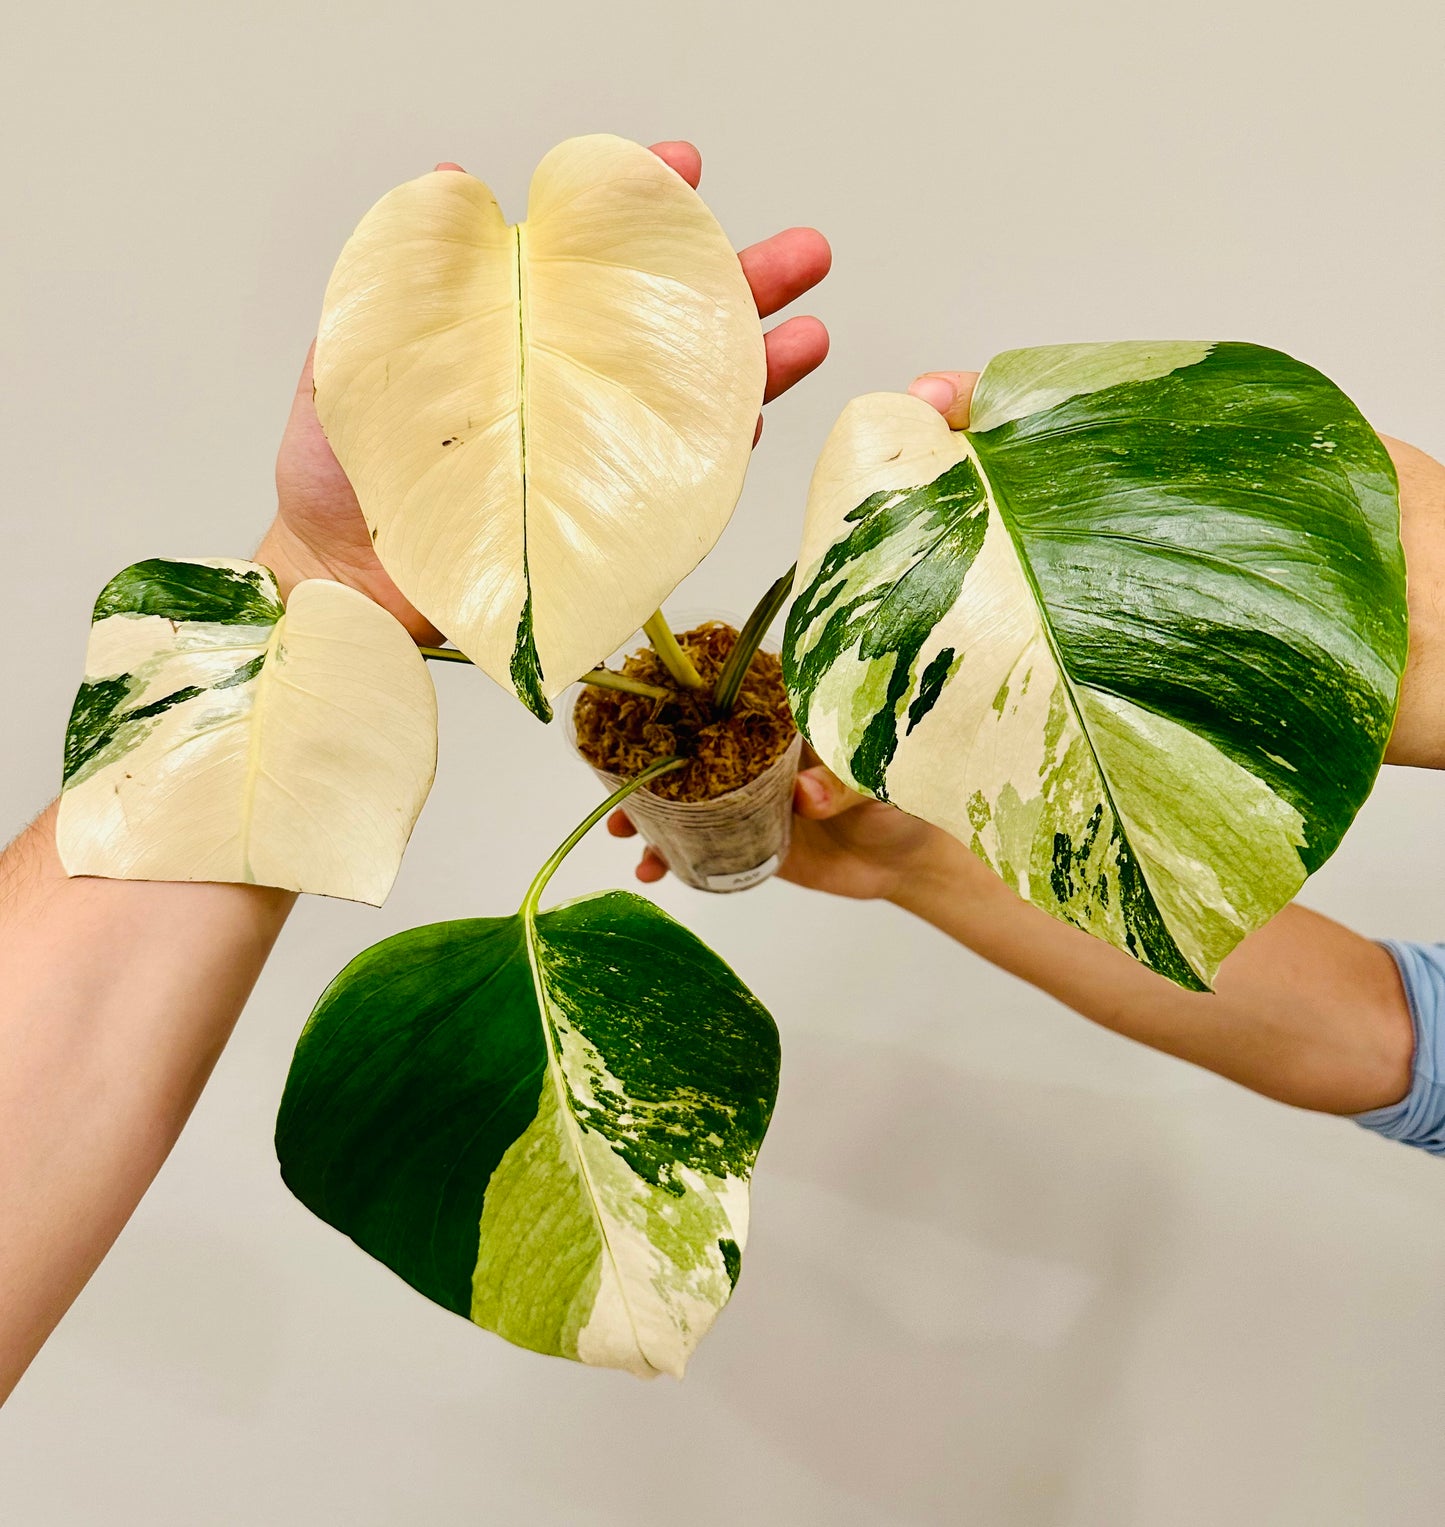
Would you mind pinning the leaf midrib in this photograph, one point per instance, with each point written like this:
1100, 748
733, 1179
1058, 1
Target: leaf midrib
558, 1080
520, 269
1000, 503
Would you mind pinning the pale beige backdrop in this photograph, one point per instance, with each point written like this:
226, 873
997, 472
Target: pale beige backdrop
1006, 1270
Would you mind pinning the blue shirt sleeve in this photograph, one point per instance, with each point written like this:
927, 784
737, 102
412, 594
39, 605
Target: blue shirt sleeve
1419, 1117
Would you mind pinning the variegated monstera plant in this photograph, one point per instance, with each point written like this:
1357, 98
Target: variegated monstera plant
1135, 636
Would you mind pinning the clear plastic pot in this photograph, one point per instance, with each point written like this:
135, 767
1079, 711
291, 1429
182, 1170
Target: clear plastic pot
730, 843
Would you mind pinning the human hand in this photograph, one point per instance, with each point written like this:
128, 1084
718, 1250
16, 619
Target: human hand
319, 530
843, 842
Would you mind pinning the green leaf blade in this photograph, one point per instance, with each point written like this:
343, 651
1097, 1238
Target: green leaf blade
1250, 514
703, 1075
383, 1084
1164, 682
218, 593
545, 1123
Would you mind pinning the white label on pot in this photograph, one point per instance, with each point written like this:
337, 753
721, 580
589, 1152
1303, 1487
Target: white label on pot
742, 879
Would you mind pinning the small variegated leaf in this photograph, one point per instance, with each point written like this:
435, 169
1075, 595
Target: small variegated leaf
218, 736
547, 423
546, 1123
1135, 636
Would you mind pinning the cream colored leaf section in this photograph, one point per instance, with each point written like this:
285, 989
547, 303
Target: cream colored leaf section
419, 389
882, 442
295, 755
563, 408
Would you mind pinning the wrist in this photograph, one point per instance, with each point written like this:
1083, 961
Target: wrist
290, 560
935, 875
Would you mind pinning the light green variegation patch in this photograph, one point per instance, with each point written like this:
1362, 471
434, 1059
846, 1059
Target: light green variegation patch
1135, 636
1022, 382
217, 736
545, 1122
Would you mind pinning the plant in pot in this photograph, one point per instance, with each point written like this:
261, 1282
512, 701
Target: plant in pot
722, 822
1135, 636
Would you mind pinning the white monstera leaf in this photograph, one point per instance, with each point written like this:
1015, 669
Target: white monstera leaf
218, 736
1135, 635
547, 424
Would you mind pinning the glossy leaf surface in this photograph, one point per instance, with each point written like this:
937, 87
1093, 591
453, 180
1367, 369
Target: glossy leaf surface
1135, 636
547, 424
545, 1123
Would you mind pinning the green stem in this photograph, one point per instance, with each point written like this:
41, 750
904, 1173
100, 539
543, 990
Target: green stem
674, 659
603, 678
543, 875
730, 680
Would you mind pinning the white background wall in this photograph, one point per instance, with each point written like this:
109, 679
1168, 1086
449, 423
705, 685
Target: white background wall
1005, 1269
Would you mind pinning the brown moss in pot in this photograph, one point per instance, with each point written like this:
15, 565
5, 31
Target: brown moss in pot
621, 733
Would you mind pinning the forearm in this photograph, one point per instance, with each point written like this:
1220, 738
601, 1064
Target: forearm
116, 997
1304, 1010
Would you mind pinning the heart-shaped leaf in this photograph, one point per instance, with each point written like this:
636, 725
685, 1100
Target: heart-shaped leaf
544, 1122
220, 737
1135, 636
547, 425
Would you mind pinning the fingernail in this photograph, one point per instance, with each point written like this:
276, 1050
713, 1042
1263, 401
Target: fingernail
934, 391
813, 790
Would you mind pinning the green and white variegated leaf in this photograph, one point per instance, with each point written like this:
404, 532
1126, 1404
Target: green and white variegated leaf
1135, 636
546, 1123
218, 736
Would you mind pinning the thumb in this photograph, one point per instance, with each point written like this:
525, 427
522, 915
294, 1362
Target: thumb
950, 392
820, 794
